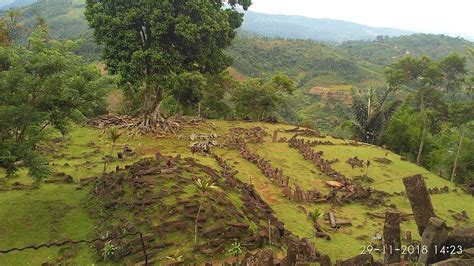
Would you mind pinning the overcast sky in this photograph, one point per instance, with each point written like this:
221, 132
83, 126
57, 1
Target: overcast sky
454, 17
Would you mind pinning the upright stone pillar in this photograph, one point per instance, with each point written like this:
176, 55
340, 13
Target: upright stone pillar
420, 201
435, 234
391, 238
275, 136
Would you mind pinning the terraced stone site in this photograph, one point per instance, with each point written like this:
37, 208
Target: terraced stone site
267, 179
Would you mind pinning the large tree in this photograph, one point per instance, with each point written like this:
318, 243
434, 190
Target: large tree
148, 43
42, 86
259, 98
427, 79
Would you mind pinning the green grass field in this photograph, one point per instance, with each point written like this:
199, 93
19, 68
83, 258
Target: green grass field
36, 212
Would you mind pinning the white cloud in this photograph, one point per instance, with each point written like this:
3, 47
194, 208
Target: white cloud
454, 17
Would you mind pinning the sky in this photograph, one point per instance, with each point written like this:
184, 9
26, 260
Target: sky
3, 2
453, 17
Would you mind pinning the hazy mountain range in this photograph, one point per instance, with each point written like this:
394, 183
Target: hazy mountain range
292, 27
297, 27
7, 4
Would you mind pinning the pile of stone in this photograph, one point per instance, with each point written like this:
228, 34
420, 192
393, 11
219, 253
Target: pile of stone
437, 190
60, 178
144, 190
239, 136
469, 188
460, 216
204, 136
273, 174
305, 132
299, 250
320, 142
127, 152
443, 245
383, 160
276, 176
355, 162
203, 146
352, 191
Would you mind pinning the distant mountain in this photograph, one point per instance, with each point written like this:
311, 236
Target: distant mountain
297, 27
17, 3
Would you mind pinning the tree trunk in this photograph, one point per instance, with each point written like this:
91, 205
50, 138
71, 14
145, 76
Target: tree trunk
455, 166
152, 108
106, 161
196, 224
424, 128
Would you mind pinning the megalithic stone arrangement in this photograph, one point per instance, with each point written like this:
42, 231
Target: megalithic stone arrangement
391, 238
420, 201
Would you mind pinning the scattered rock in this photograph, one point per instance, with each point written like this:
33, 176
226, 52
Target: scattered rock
435, 234
383, 160
261, 258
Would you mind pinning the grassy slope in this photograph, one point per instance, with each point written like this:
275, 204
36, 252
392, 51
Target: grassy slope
56, 212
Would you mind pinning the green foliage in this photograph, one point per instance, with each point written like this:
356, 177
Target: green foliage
109, 250
370, 113
44, 85
345, 130
403, 131
204, 185
311, 63
386, 50
315, 215
216, 102
284, 83
235, 250
176, 256
257, 98
427, 79
148, 42
114, 134
188, 90
10, 28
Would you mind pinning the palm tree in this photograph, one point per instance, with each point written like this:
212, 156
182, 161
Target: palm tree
113, 135
370, 114
203, 185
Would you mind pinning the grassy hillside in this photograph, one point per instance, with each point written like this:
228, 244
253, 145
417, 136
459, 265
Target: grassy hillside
37, 212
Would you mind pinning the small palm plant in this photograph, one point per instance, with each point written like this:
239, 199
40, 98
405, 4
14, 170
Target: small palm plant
314, 216
108, 250
113, 135
176, 257
203, 185
235, 251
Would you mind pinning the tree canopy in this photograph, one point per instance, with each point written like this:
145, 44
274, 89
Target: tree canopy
43, 85
149, 42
